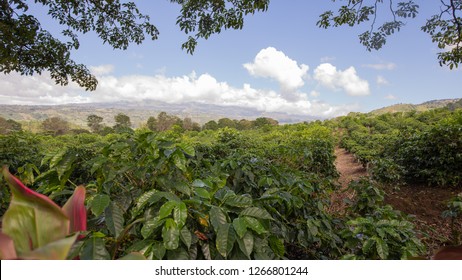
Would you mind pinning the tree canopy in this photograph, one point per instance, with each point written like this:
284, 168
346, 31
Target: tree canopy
27, 48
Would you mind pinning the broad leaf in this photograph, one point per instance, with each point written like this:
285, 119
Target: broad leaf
114, 219
240, 226
57, 250
170, 235
94, 249
226, 237
255, 225
166, 209
76, 211
382, 248
150, 225
187, 148
7, 250
158, 250
32, 220
142, 200
239, 201
217, 217
256, 213
186, 237
99, 203
201, 192
180, 214
246, 243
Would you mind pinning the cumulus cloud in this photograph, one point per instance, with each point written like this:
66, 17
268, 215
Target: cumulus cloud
274, 64
348, 80
102, 69
204, 88
381, 66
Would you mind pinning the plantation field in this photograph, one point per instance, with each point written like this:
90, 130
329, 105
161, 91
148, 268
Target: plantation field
270, 192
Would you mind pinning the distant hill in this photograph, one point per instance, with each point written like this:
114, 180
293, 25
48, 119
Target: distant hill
138, 112
433, 104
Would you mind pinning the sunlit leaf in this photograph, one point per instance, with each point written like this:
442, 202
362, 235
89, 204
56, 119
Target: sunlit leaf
32, 220
76, 211
57, 250
170, 235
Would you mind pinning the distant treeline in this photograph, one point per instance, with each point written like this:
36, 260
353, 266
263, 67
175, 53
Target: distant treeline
163, 122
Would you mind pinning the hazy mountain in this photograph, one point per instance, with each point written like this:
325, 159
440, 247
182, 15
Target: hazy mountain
139, 112
433, 104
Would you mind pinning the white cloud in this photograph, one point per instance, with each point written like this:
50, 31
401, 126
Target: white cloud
390, 97
204, 88
381, 66
274, 64
102, 69
314, 93
381, 81
348, 80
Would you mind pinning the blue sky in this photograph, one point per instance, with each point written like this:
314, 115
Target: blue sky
279, 62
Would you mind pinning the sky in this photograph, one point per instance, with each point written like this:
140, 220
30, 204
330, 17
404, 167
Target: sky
279, 62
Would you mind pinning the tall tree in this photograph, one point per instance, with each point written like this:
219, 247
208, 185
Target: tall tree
122, 121
55, 125
94, 122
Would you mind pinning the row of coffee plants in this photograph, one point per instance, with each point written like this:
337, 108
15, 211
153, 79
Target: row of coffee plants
408, 147
226, 194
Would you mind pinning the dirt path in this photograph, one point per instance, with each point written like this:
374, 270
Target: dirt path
425, 203
349, 170
348, 167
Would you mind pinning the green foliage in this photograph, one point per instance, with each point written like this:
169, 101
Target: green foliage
226, 194
27, 48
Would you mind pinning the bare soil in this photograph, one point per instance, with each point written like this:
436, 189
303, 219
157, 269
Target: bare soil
424, 203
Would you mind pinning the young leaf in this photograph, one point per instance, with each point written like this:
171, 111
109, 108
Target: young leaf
75, 210
7, 250
32, 220
57, 250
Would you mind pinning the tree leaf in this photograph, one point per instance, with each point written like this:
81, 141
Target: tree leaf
170, 235
94, 249
226, 237
201, 192
142, 200
256, 213
134, 256
240, 226
368, 245
114, 219
187, 148
239, 201
158, 250
255, 225
180, 214
166, 209
382, 248
277, 245
205, 248
150, 225
246, 243
217, 217
32, 220
186, 237
99, 203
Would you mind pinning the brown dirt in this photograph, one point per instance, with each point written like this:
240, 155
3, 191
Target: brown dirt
425, 203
